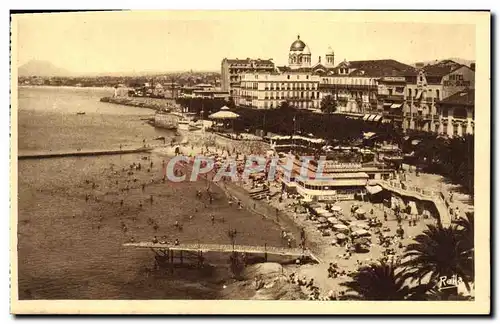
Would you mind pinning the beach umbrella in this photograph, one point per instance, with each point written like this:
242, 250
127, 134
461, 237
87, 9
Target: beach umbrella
333, 220
345, 219
360, 211
340, 227
341, 236
360, 225
322, 219
361, 232
336, 208
362, 241
224, 108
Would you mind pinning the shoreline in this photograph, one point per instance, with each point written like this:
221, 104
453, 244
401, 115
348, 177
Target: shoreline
140, 102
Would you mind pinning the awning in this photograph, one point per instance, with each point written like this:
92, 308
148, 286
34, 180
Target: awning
377, 118
372, 117
419, 94
373, 189
387, 104
395, 106
365, 117
386, 121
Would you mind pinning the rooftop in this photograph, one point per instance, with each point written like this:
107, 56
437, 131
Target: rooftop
441, 68
463, 98
249, 61
379, 68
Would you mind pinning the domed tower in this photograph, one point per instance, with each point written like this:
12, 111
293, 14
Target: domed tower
299, 55
330, 58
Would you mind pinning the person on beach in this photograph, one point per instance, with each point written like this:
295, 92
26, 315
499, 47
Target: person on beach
151, 199
121, 203
143, 187
212, 217
155, 240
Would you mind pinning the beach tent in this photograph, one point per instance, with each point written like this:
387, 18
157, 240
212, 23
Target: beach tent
413, 208
224, 108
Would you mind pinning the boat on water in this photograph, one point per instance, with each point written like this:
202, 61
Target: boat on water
81, 113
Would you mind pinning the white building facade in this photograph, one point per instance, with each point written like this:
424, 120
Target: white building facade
268, 91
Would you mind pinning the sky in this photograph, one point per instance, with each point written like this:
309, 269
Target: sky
163, 41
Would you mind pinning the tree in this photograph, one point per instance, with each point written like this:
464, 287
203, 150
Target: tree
328, 104
381, 281
465, 232
438, 252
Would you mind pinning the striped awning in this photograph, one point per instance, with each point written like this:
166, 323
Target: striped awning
372, 118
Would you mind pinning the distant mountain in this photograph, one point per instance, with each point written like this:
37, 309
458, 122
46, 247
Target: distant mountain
456, 59
41, 68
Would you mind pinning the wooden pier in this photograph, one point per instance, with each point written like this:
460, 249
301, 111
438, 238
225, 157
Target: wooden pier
165, 253
59, 154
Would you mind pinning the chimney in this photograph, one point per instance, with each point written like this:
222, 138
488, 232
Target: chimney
319, 59
473, 66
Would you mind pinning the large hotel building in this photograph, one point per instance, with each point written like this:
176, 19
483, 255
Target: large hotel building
435, 98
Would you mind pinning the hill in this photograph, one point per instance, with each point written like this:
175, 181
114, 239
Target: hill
455, 59
41, 68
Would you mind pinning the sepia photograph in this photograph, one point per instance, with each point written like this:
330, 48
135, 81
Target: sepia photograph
250, 162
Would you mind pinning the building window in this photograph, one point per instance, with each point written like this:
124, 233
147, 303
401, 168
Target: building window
307, 77
437, 94
455, 130
445, 112
288, 77
390, 92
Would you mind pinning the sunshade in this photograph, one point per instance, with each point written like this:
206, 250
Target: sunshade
322, 219
224, 114
341, 236
360, 211
361, 232
340, 227
333, 220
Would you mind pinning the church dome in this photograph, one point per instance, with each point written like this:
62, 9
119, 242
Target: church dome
298, 45
329, 51
306, 50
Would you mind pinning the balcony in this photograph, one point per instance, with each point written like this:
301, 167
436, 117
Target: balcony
348, 86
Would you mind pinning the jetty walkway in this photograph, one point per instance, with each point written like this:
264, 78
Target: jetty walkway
226, 248
421, 194
73, 153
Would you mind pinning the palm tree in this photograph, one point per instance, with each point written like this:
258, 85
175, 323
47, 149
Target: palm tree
381, 281
465, 231
328, 104
438, 252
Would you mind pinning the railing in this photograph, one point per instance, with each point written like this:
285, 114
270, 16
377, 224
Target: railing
412, 189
